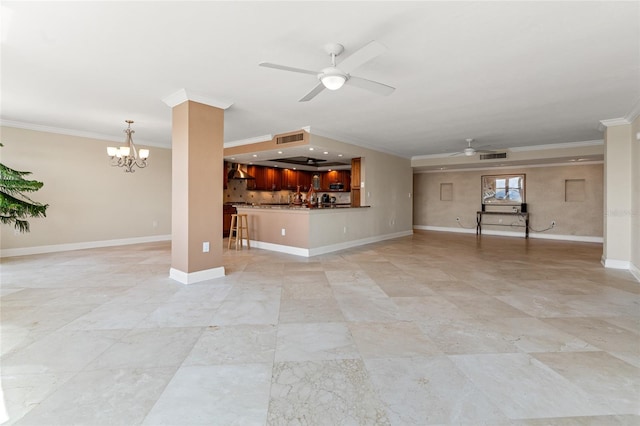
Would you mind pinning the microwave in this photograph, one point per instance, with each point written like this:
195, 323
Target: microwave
338, 186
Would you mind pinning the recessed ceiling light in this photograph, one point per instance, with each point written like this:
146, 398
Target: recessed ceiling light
279, 152
311, 149
255, 155
294, 168
339, 155
233, 158
326, 152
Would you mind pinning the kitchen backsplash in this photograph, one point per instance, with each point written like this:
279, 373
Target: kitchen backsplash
237, 192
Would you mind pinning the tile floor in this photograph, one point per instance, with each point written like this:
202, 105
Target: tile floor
432, 329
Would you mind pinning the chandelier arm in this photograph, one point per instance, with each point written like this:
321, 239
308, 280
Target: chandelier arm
131, 160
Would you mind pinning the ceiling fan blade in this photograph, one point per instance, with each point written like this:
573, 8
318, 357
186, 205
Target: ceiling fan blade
373, 86
287, 68
312, 94
361, 56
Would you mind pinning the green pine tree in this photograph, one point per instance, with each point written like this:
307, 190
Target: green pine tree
15, 207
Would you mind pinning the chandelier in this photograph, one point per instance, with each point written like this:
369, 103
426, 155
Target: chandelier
128, 156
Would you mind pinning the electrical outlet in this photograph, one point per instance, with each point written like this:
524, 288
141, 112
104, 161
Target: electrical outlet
284, 232
205, 247
344, 230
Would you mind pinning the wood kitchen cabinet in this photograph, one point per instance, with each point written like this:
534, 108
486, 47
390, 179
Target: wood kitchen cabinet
227, 211
269, 179
225, 175
335, 176
304, 180
291, 179
276, 179
252, 184
266, 178
355, 182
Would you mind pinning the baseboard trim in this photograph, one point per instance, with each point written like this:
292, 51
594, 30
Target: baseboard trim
196, 277
577, 238
635, 272
298, 251
82, 246
361, 242
615, 263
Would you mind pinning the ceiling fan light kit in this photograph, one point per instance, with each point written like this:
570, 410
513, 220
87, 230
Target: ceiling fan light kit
333, 78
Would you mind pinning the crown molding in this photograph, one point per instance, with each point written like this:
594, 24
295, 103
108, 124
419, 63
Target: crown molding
431, 156
634, 113
558, 146
523, 148
453, 169
248, 141
73, 132
184, 95
621, 121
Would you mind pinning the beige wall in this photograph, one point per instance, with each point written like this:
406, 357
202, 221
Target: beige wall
635, 197
89, 200
266, 225
388, 186
545, 198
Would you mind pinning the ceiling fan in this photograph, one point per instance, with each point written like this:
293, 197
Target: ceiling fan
470, 151
333, 78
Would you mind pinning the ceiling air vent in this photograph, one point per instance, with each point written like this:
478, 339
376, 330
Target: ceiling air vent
296, 137
493, 155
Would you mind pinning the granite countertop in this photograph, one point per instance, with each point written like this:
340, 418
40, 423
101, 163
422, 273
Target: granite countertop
294, 207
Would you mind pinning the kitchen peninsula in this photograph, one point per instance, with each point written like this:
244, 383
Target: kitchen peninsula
307, 231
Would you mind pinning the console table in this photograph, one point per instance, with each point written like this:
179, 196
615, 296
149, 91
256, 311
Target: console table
524, 215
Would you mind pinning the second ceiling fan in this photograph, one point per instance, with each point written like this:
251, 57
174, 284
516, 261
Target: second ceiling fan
333, 78
470, 151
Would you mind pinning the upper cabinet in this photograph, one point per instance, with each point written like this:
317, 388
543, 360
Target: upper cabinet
335, 180
275, 179
291, 179
266, 178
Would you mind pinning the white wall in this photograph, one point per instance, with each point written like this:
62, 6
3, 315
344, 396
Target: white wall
618, 196
635, 194
89, 201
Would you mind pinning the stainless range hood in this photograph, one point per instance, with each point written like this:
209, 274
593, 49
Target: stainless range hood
237, 173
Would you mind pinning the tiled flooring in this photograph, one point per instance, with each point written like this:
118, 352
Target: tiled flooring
430, 329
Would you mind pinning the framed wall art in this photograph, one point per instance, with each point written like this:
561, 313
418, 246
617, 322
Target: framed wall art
507, 189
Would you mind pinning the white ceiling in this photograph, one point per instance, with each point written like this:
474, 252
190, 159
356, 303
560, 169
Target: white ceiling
507, 74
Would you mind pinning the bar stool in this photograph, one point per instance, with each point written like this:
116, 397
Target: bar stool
239, 230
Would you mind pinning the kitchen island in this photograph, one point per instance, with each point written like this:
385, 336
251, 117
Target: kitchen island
308, 232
